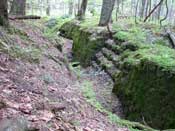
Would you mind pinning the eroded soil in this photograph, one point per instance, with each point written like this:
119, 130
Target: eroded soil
47, 94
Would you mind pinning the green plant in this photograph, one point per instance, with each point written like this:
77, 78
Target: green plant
30, 53
14, 31
53, 25
89, 94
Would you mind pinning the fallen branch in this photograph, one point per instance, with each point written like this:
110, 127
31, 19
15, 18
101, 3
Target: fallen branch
152, 11
24, 17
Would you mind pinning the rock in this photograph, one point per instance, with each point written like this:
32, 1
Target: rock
87, 42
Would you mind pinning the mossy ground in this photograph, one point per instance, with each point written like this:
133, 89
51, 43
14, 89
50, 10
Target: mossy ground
146, 77
90, 95
53, 25
29, 52
147, 67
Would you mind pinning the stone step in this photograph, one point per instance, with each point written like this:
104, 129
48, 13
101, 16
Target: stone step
111, 56
107, 65
95, 65
111, 45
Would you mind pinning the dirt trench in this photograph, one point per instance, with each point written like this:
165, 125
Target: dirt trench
102, 82
44, 96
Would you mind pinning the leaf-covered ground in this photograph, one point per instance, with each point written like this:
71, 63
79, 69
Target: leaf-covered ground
44, 90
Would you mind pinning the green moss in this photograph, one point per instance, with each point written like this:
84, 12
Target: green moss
145, 85
30, 53
92, 22
160, 55
86, 41
53, 25
134, 35
14, 31
122, 35
88, 92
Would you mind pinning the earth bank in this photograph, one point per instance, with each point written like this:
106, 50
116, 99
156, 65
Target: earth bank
143, 81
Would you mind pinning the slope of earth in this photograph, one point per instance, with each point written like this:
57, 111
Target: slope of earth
139, 59
38, 91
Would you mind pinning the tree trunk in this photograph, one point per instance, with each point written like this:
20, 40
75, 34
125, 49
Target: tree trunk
71, 7
142, 8
48, 8
137, 4
18, 7
117, 9
3, 13
159, 12
82, 10
147, 6
106, 12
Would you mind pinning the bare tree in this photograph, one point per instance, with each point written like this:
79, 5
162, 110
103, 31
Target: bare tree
142, 8
82, 10
3, 13
106, 12
48, 8
159, 11
147, 6
71, 7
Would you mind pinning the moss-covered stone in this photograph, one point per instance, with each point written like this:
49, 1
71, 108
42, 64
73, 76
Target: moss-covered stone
146, 87
86, 41
144, 74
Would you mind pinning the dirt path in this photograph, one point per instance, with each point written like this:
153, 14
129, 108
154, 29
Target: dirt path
45, 93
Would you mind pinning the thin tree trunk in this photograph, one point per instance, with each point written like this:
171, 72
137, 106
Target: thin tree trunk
71, 7
171, 12
153, 10
117, 9
48, 8
82, 10
136, 11
159, 12
166, 15
142, 8
147, 6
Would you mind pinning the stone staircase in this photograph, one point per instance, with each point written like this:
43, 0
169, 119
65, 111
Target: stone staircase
108, 58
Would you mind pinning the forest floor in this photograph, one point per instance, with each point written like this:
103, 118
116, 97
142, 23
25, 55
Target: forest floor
48, 95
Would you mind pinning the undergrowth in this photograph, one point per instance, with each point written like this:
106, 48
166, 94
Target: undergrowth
30, 53
162, 55
155, 50
92, 22
53, 25
90, 96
